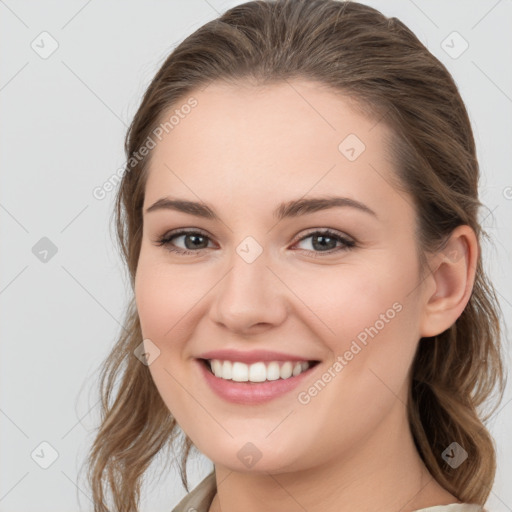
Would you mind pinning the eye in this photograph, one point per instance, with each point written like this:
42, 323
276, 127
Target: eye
197, 241
323, 241
326, 240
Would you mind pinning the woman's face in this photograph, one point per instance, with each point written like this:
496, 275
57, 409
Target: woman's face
260, 275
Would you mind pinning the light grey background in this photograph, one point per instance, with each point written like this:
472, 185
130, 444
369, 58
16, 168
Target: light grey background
63, 120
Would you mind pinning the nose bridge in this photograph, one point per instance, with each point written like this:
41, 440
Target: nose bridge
250, 293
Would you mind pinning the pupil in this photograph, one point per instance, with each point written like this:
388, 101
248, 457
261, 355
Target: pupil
323, 245
192, 237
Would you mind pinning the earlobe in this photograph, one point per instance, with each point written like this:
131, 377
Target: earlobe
452, 281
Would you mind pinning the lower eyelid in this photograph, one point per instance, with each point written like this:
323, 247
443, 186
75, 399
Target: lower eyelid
345, 241
165, 241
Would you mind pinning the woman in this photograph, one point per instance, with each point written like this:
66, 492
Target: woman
298, 217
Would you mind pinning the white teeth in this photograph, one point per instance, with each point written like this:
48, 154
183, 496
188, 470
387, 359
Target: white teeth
297, 369
240, 372
286, 370
273, 372
227, 368
256, 372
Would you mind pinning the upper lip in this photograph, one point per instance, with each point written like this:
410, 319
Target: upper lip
252, 356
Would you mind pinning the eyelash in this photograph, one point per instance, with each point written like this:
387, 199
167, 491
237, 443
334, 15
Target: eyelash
165, 241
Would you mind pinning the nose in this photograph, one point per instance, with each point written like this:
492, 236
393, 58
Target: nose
250, 298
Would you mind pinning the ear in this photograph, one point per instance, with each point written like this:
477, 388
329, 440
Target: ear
449, 285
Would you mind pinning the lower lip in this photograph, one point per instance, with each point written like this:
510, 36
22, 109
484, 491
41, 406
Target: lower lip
251, 392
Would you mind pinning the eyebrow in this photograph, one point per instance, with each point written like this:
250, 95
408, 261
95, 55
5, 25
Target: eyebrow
294, 208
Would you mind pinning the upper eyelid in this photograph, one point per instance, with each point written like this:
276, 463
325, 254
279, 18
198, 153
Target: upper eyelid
308, 232
335, 232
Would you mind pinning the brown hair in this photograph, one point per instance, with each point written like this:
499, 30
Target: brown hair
355, 50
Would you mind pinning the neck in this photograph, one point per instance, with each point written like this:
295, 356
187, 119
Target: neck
383, 472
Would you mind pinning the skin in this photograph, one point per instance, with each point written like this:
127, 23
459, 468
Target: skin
243, 150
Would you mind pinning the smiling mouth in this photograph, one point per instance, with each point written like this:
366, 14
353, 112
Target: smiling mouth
259, 372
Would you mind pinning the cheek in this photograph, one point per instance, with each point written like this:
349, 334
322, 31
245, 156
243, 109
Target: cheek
347, 299
152, 303
337, 307
369, 325
163, 297
364, 316
163, 301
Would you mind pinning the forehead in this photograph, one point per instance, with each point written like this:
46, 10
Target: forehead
261, 141
306, 109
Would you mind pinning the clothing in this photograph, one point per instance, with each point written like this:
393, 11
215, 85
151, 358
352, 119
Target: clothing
200, 498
